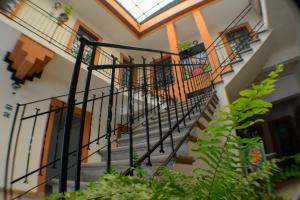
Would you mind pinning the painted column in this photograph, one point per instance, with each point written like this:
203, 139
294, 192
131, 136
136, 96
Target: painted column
173, 39
207, 40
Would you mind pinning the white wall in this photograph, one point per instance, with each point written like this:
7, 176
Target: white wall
286, 87
45, 30
55, 80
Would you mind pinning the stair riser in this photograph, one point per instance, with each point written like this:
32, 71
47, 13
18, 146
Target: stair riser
123, 154
179, 111
142, 138
93, 173
140, 134
165, 120
70, 187
165, 128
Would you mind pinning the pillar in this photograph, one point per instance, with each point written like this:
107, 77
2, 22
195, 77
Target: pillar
207, 40
173, 40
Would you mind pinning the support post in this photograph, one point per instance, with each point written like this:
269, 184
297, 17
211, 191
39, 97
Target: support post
63, 176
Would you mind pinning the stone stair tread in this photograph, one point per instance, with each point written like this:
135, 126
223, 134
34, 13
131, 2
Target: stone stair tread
144, 144
125, 162
165, 129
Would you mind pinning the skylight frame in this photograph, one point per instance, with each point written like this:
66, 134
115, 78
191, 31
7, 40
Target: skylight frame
135, 4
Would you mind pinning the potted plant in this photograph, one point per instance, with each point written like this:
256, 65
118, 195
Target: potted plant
64, 17
181, 46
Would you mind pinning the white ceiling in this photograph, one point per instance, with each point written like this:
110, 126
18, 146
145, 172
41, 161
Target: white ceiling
116, 32
218, 16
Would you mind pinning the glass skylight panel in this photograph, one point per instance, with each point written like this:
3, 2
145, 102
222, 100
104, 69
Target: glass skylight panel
142, 9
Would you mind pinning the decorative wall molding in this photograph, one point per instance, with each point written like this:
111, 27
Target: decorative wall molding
27, 60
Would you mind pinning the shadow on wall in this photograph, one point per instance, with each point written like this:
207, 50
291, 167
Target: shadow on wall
297, 2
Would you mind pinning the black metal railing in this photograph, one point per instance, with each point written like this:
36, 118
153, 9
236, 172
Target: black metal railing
158, 107
45, 25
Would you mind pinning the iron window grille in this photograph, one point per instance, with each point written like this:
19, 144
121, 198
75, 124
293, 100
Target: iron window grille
87, 54
239, 39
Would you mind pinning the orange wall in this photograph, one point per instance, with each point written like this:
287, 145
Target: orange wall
207, 40
191, 85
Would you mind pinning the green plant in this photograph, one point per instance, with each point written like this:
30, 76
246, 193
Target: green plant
290, 171
181, 46
68, 8
227, 175
221, 150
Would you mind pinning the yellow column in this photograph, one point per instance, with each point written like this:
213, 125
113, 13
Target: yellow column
173, 39
207, 40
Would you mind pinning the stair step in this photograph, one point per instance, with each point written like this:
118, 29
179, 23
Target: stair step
91, 171
141, 137
70, 185
164, 114
206, 116
122, 152
201, 125
245, 50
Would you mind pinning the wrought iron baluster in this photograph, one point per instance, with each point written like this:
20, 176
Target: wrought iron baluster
82, 121
30, 145
131, 116
173, 92
109, 115
9, 149
146, 110
16, 148
69, 118
91, 121
100, 115
138, 92
188, 88
158, 106
167, 98
179, 90
115, 116
122, 108
184, 91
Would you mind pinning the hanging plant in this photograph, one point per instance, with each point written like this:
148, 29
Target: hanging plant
64, 17
181, 46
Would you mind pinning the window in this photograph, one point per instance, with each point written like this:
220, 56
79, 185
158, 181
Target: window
164, 68
81, 32
195, 61
124, 75
141, 10
239, 39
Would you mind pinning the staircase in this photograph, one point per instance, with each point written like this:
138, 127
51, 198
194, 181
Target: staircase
245, 68
172, 107
188, 134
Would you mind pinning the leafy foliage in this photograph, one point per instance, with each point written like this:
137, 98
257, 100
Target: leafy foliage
227, 175
221, 151
68, 9
290, 171
183, 46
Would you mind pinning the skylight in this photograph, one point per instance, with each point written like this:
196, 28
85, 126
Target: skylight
142, 10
